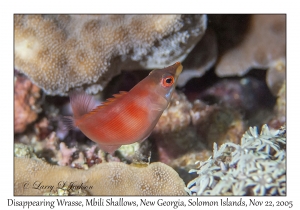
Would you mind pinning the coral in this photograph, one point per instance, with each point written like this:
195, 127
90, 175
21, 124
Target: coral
174, 134
200, 59
185, 131
60, 52
42, 128
176, 116
184, 163
262, 44
22, 150
279, 118
68, 191
80, 162
280, 107
276, 76
246, 94
129, 152
26, 108
215, 123
103, 179
255, 167
65, 154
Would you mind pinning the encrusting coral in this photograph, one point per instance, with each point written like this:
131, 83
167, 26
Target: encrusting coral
255, 167
60, 52
35, 177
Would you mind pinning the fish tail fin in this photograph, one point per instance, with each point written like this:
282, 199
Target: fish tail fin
81, 103
68, 123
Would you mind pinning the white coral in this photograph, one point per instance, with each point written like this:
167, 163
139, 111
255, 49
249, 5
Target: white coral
258, 164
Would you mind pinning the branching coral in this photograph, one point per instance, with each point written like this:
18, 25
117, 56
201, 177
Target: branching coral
65, 154
256, 167
35, 177
60, 52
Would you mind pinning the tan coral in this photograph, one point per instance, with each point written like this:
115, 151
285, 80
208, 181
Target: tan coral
263, 44
103, 179
60, 52
279, 119
276, 76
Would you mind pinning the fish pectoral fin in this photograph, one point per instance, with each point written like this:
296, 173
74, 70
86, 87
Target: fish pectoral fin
140, 141
81, 103
109, 148
156, 107
68, 123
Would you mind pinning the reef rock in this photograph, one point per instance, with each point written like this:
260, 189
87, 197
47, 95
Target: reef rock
61, 52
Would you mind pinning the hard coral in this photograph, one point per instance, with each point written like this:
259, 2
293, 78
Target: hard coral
255, 167
65, 154
103, 179
276, 75
263, 43
279, 119
26, 108
200, 59
60, 52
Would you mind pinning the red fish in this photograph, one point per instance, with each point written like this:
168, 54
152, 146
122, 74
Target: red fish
129, 116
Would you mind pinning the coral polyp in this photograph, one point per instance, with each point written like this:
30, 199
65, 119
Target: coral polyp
255, 167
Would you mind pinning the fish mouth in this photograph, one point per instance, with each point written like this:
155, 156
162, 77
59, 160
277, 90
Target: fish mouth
176, 70
178, 67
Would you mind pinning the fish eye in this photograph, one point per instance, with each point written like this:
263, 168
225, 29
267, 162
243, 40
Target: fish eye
168, 81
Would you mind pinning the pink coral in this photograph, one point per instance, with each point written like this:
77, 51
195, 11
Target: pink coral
65, 154
26, 109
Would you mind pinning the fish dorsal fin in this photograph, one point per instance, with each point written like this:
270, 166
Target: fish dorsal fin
109, 101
